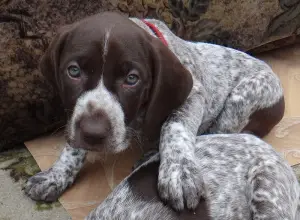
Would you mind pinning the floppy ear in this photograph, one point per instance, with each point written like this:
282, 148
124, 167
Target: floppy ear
49, 63
172, 84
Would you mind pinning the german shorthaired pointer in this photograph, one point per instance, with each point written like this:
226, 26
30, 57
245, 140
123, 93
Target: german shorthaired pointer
244, 179
125, 77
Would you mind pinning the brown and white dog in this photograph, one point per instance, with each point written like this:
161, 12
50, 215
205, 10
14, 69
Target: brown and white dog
124, 77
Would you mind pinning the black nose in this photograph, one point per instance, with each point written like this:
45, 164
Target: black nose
95, 128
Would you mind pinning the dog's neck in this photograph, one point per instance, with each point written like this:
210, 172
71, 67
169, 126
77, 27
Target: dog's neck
156, 31
177, 45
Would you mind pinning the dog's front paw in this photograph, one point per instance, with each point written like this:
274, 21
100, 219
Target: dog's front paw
46, 186
180, 184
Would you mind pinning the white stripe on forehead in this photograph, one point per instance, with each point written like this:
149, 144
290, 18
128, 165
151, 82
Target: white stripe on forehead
105, 51
106, 43
105, 47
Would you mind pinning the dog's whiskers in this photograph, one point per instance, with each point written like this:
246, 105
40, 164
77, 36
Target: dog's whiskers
135, 135
56, 130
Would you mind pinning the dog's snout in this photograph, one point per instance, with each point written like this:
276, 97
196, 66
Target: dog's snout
94, 128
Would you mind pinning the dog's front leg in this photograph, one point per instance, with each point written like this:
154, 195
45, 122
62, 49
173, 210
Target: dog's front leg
179, 180
50, 184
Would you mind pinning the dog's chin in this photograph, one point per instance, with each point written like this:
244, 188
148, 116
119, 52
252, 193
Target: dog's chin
105, 147
85, 146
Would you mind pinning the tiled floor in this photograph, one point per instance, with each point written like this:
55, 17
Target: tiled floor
100, 176
285, 137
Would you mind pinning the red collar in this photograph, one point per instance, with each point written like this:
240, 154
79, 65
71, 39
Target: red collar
156, 31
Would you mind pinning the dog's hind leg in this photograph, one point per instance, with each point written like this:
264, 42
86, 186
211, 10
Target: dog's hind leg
251, 108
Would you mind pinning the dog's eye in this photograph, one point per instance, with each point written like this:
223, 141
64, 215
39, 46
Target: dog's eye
74, 71
131, 79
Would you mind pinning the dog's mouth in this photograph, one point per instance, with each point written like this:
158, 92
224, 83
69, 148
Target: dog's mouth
92, 143
100, 144
86, 147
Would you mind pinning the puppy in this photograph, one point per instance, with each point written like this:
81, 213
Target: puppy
244, 179
123, 77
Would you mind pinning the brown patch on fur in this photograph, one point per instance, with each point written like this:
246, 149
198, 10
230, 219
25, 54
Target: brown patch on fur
263, 120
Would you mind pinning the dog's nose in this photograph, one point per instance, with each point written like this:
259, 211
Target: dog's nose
94, 129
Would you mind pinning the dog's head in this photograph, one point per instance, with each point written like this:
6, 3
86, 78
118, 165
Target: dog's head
108, 72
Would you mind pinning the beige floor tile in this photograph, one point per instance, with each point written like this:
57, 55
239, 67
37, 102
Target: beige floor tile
285, 137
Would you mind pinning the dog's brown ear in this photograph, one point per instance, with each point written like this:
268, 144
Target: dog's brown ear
49, 62
172, 84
